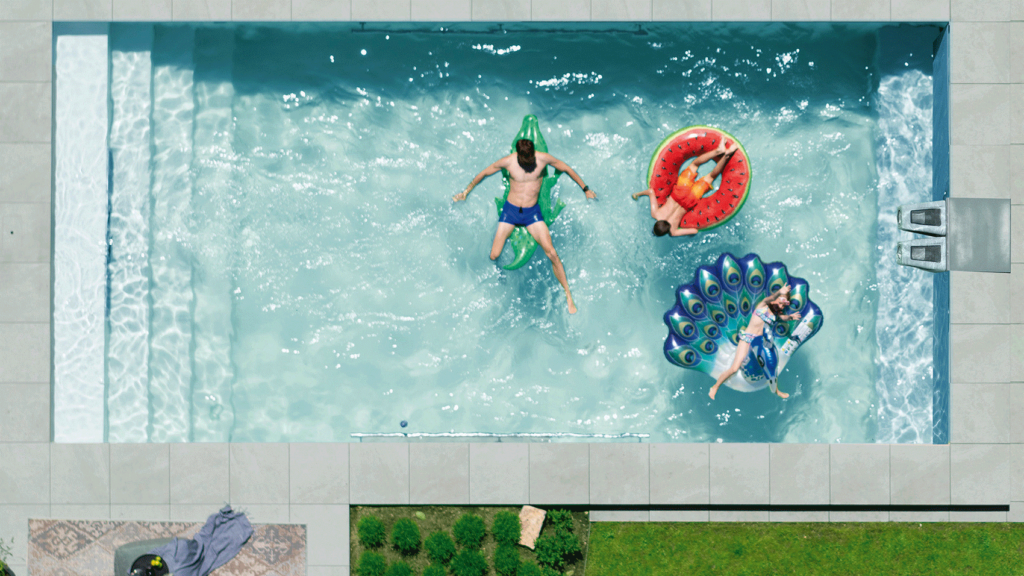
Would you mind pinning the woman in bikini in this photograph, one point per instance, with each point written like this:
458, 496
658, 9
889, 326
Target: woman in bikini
687, 191
756, 344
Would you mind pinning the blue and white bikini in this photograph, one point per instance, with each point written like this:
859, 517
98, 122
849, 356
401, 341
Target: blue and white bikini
763, 358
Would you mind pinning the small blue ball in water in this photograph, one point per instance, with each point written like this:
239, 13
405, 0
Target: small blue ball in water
403, 423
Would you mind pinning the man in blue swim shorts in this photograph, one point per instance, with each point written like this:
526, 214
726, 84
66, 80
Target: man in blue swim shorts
526, 171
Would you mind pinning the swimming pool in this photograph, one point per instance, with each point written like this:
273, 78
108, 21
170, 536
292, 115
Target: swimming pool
283, 261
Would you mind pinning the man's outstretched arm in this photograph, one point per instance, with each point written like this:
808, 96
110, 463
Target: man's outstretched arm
563, 167
493, 168
677, 231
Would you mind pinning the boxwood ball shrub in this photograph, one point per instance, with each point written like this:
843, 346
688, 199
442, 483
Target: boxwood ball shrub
507, 528
525, 569
469, 563
440, 548
506, 560
469, 531
371, 532
372, 564
560, 520
405, 536
399, 569
435, 570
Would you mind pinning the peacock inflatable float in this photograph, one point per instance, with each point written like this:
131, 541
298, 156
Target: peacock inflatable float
712, 311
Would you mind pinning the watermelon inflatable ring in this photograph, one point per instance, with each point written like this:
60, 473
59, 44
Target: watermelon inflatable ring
727, 198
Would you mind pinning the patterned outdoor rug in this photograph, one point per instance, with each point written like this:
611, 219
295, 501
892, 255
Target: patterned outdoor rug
84, 547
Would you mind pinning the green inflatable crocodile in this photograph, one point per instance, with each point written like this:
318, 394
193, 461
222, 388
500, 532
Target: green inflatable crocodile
523, 245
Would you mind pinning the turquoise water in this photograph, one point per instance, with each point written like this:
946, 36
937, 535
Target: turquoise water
309, 277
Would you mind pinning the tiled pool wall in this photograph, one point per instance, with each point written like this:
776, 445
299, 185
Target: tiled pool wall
314, 484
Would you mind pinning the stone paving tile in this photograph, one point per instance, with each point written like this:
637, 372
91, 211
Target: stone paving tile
441, 10
318, 10
800, 516
75, 10
25, 173
859, 474
143, 10
620, 473
499, 473
741, 10
1017, 472
26, 10
378, 473
560, 473
563, 11
327, 532
25, 51
680, 474
80, 511
26, 232
25, 295
860, 10
987, 296
920, 10
200, 475
681, 10
501, 10
14, 524
202, 10
739, 474
988, 176
25, 412
980, 473
327, 570
1016, 513
979, 413
980, 53
259, 473
978, 114
739, 516
919, 474
977, 516
979, 11
858, 516
795, 10
919, 516
978, 352
141, 512
265, 10
80, 474
319, 473
377, 10
620, 516
140, 474
620, 10
799, 474
439, 473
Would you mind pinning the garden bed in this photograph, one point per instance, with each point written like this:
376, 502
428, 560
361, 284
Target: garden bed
430, 519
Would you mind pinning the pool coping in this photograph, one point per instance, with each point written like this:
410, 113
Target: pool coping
315, 483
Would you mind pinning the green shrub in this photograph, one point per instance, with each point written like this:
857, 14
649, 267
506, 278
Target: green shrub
399, 569
469, 531
555, 550
372, 564
371, 532
506, 560
469, 563
507, 529
547, 571
440, 548
405, 536
560, 520
526, 569
434, 570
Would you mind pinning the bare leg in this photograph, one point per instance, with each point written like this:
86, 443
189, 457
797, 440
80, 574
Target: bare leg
504, 231
741, 354
540, 233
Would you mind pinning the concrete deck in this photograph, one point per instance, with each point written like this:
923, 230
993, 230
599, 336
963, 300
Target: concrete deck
299, 483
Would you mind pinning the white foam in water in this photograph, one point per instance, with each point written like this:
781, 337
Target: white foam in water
213, 288
170, 374
80, 232
905, 302
128, 335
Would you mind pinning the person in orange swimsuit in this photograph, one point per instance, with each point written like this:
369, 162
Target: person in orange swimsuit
687, 191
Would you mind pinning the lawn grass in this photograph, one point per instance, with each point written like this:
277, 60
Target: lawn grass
443, 518
906, 549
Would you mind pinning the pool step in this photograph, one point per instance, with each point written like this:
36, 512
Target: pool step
213, 283
127, 362
170, 343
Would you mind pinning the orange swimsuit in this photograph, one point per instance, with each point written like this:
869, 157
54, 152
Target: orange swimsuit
687, 192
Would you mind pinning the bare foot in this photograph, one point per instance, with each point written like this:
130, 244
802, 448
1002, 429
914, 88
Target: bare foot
636, 196
732, 149
721, 147
782, 394
572, 305
713, 391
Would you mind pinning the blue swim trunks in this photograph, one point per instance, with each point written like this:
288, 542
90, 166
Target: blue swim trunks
520, 216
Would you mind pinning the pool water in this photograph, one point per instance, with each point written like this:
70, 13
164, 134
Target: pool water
301, 274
